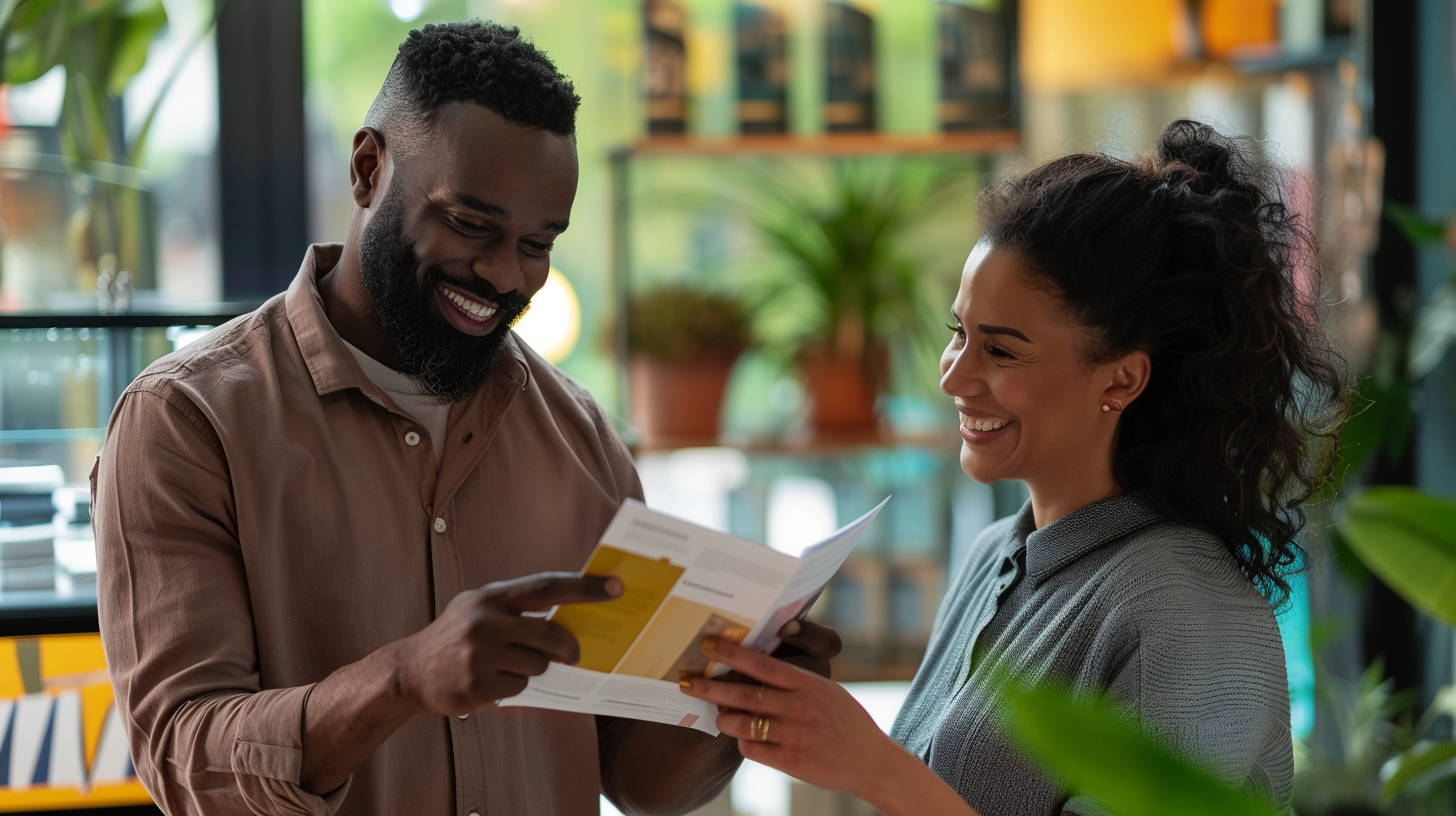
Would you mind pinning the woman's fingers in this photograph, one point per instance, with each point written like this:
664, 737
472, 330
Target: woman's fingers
760, 667
727, 694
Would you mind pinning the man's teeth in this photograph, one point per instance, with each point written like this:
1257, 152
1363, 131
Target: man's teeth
474, 308
985, 424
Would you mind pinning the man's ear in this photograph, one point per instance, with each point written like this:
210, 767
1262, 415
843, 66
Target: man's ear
1130, 374
366, 166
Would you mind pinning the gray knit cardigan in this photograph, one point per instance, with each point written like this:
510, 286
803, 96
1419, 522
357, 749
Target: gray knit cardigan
1113, 598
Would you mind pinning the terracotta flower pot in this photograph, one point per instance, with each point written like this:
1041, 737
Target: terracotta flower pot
678, 403
841, 393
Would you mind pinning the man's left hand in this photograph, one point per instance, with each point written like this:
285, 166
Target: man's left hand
808, 645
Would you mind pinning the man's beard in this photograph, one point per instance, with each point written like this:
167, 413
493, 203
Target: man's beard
445, 361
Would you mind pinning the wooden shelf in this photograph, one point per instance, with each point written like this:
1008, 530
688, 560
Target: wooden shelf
845, 670
804, 443
845, 144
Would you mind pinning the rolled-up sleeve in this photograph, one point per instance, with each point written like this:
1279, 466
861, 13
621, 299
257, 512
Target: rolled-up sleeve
176, 621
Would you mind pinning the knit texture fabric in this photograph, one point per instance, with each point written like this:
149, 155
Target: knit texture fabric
1112, 598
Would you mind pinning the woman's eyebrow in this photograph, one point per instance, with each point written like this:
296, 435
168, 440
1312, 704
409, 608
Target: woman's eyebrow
984, 329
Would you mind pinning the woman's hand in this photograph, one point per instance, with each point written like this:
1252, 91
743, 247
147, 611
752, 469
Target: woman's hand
815, 731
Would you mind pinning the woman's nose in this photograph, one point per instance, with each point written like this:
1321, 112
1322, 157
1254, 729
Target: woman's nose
958, 377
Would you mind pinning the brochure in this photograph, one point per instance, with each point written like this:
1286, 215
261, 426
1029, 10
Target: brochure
683, 583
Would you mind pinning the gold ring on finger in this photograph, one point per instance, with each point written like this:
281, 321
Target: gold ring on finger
758, 729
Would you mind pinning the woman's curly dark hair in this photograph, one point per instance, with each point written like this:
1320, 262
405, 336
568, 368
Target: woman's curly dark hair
1190, 254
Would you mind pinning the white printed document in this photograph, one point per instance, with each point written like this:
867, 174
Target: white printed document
682, 583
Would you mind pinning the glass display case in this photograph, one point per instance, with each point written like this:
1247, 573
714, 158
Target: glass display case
62, 745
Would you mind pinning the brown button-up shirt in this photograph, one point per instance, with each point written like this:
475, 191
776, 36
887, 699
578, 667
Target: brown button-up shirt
262, 520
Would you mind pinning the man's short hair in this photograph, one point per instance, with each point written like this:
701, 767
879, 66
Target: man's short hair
485, 63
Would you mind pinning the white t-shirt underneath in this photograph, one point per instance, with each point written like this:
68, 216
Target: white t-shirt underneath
408, 395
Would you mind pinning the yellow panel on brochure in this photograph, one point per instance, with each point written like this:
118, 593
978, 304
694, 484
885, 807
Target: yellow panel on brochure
606, 630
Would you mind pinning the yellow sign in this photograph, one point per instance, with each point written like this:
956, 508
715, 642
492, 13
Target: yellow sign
62, 743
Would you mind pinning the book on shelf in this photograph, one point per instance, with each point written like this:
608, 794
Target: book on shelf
849, 68
683, 583
763, 67
976, 67
665, 66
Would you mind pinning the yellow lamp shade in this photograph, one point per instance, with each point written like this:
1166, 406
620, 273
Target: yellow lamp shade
553, 324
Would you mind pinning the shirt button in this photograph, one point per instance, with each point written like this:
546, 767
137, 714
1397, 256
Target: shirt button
474, 813
439, 525
412, 438
462, 716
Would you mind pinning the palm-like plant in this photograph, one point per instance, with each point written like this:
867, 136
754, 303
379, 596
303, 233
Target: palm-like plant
843, 276
102, 45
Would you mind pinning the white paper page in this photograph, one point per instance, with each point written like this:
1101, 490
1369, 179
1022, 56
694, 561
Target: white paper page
817, 566
567, 688
684, 583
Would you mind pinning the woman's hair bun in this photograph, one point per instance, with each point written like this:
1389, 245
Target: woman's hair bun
1194, 154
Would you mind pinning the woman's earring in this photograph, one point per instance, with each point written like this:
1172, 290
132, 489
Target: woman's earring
1106, 408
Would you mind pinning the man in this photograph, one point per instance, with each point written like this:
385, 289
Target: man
319, 528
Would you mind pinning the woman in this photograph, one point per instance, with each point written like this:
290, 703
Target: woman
1131, 340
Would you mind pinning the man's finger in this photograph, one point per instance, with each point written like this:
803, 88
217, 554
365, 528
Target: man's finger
545, 637
817, 640
535, 593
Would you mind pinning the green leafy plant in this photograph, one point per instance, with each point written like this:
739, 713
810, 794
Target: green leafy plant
1435, 328
841, 273
681, 324
1386, 762
1096, 748
102, 45
1408, 538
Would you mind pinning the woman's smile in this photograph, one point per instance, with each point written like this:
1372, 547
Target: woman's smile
981, 430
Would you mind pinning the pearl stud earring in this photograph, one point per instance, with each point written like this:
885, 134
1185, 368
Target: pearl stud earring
1106, 408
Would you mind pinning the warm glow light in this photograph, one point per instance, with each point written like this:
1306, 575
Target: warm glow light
553, 324
407, 10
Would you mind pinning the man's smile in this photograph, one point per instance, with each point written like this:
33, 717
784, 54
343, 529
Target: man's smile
468, 313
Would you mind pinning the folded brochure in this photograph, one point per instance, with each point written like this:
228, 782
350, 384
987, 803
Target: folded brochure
682, 583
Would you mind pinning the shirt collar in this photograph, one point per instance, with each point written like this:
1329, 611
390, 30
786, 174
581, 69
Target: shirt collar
1080, 532
329, 362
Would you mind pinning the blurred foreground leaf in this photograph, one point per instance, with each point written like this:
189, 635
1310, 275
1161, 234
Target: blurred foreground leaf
1408, 538
1418, 229
1097, 749
1412, 764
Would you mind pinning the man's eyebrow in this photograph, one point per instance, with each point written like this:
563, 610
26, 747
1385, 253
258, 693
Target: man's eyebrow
498, 211
482, 206
984, 329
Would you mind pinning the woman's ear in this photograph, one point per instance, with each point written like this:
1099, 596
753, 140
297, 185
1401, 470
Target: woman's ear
366, 165
1130, 375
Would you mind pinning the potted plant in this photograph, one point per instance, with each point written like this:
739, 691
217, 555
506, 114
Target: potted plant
682, 343
840, 287
102, 45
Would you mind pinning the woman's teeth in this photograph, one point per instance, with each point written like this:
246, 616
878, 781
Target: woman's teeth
474, 308
984, 424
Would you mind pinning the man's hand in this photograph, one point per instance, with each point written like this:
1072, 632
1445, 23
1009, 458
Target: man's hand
808, 645
482, 649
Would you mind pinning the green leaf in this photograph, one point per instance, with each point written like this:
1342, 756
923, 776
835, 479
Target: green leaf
1417, 229
35, 40
1408, 538
1434, 334
7, 7
1098, 749
1412, 764
136, 28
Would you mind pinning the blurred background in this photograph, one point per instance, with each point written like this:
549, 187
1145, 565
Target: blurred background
776, 200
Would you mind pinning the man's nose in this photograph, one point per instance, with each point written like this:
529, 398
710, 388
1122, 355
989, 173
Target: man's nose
501, 267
